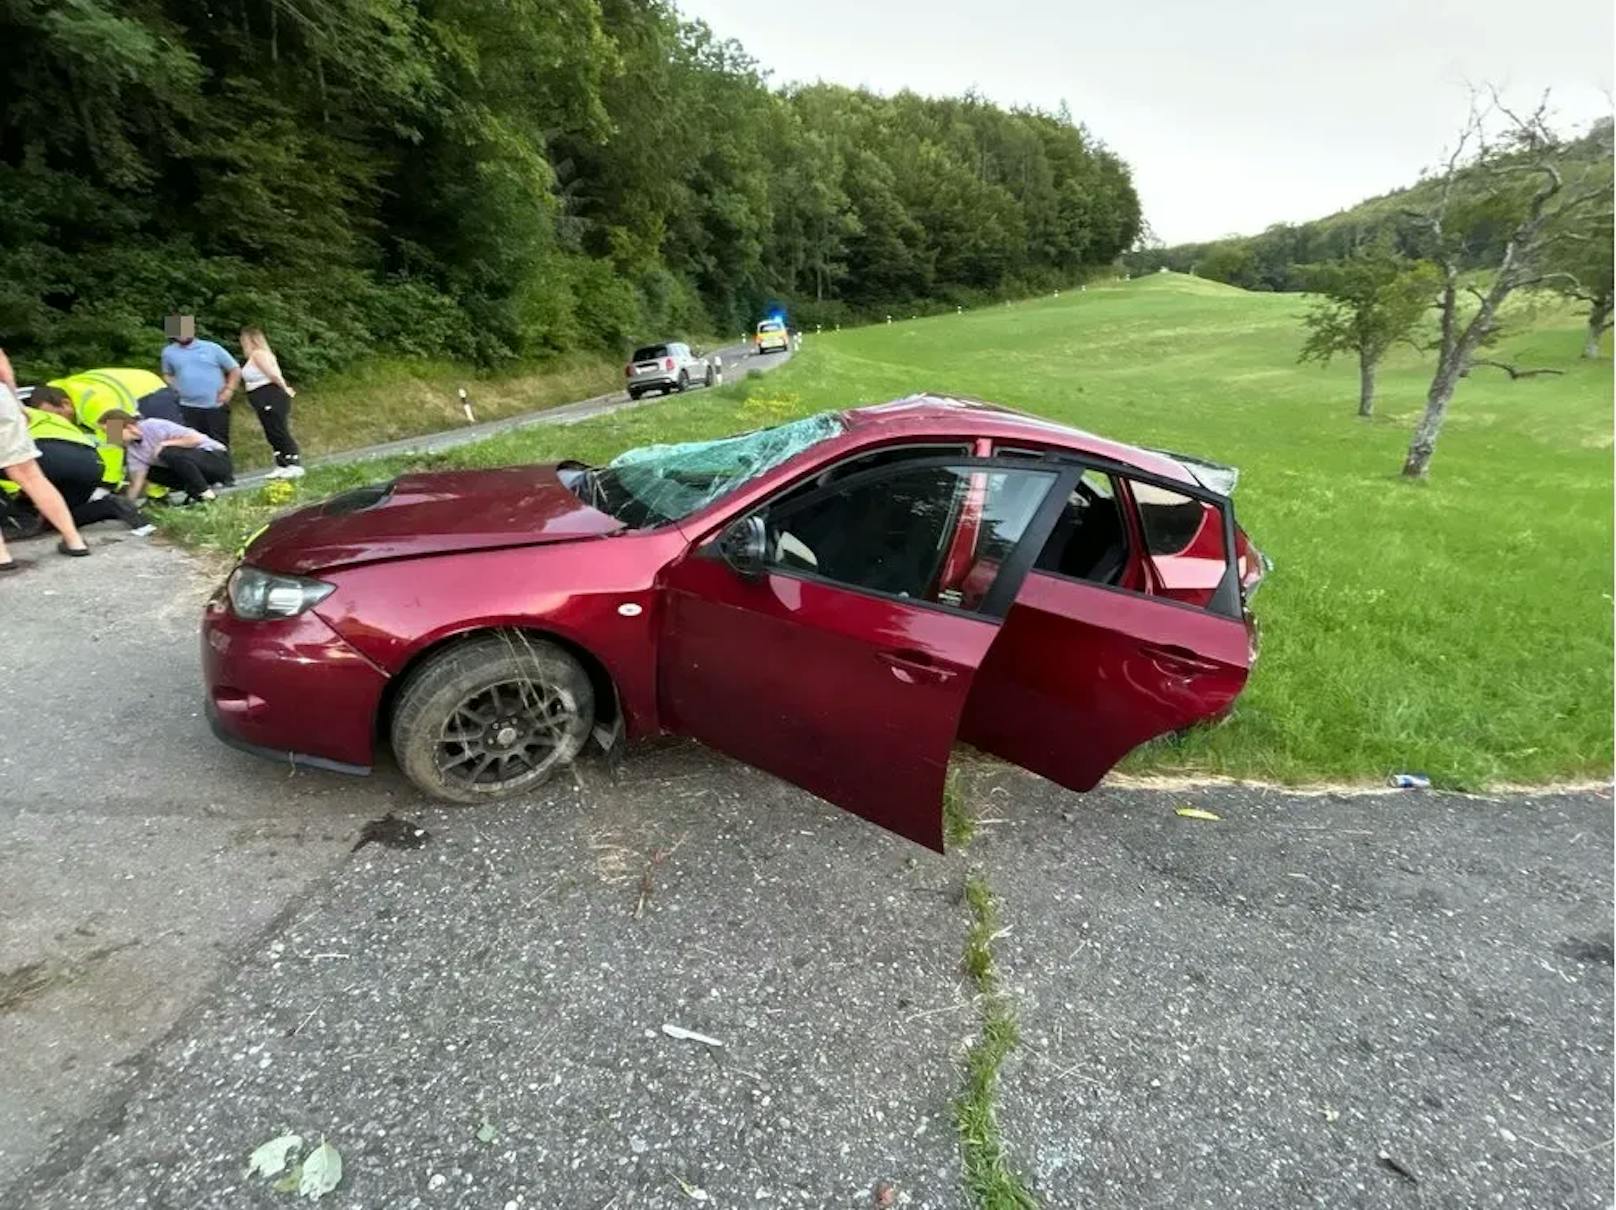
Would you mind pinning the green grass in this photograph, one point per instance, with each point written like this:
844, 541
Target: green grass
989, 1180
385, 401
1459, 627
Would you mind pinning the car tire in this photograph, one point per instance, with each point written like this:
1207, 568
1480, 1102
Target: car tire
521, 708
634, 396
709, 379
684, 381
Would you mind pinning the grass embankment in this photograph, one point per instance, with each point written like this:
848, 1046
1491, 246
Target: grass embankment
390, 400
1460, 627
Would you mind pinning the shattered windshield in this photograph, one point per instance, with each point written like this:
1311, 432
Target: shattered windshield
656, 484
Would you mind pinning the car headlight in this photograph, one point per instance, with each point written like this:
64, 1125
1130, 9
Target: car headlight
258, 595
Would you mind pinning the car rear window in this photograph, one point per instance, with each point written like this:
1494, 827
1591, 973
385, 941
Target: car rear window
771, 326
650, 353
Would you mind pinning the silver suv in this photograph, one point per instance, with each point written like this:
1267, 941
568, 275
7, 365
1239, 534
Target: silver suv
668, 367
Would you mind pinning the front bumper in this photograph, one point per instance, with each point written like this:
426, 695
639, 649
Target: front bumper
290, 689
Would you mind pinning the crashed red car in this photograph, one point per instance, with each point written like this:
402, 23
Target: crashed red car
836, 600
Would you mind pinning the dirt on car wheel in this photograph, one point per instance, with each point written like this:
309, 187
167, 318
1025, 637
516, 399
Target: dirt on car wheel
491, 717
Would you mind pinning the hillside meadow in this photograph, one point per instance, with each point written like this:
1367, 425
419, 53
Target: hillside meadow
1459, 627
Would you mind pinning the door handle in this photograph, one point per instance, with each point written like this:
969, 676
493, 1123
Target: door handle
916, 668
1179, 659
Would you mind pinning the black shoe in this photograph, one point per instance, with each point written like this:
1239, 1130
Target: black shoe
18, 525
72, 552
129, 513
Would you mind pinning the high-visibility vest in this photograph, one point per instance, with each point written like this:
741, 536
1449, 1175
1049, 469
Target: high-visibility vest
48, 426
96, 392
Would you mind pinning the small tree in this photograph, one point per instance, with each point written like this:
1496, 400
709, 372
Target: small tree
1584, 261
1370, 300
1521, 187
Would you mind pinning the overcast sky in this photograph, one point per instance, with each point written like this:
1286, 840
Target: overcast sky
1233, 113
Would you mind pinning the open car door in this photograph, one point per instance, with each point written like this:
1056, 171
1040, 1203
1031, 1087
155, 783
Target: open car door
1085, 669
832, 637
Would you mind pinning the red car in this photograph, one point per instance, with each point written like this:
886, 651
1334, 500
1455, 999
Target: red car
835, 600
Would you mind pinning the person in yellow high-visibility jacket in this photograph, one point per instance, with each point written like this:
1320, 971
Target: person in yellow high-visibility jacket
117, 392
71, 460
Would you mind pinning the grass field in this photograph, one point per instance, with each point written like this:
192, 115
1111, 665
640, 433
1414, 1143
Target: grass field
386, 401
1460, 627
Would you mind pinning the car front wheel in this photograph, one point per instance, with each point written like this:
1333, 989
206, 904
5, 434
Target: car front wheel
491, 717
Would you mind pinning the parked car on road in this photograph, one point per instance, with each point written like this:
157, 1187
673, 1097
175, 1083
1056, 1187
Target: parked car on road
667, 367
835, 600
772, 337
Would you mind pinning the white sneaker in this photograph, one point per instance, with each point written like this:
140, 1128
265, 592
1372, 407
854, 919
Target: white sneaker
278, 472
295, 471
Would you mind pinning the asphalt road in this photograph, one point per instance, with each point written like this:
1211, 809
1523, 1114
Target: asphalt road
1248, 1012
738, 361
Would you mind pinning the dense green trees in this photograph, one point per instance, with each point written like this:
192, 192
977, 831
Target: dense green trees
491, 181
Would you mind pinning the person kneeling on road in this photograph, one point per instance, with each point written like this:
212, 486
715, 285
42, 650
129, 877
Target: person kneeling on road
71, 463
174, 456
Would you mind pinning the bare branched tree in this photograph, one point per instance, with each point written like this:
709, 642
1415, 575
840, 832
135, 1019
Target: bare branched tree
1521, 185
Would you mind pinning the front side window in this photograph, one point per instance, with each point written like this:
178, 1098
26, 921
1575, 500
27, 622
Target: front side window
938, 534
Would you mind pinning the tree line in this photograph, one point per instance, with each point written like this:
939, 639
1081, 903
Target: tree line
493, 182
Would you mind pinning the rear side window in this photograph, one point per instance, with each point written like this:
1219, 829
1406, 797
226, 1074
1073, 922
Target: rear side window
650, 353
1089, 541
1171, 521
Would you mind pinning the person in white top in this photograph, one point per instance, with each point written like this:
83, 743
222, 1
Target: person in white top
19, 462
271, 400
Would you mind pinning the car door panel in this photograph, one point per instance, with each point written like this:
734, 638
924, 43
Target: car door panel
1082, 674
855, 698
841, 663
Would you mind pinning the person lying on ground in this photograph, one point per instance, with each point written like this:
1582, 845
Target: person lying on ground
173, 456
70, 460
19, 462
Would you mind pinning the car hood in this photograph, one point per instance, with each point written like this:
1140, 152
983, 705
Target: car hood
429, 514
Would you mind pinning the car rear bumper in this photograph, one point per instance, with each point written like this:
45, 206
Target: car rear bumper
653, 382
290, 689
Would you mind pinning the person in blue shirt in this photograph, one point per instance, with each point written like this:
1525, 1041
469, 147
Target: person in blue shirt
204, 375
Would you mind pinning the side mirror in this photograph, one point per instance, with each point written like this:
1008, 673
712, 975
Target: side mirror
744, 545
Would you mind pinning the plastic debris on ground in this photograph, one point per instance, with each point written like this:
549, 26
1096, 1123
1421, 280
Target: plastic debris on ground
1197, 813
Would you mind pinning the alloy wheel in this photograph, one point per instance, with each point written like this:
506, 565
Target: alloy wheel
506, 732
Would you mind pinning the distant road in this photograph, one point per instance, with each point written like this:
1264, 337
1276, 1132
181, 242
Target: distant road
736, 363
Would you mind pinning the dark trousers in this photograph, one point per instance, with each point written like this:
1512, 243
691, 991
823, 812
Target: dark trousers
273, 408
192, 471
75, 470
210, 422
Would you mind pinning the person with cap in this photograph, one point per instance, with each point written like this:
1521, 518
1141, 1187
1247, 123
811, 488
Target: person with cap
19, 461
